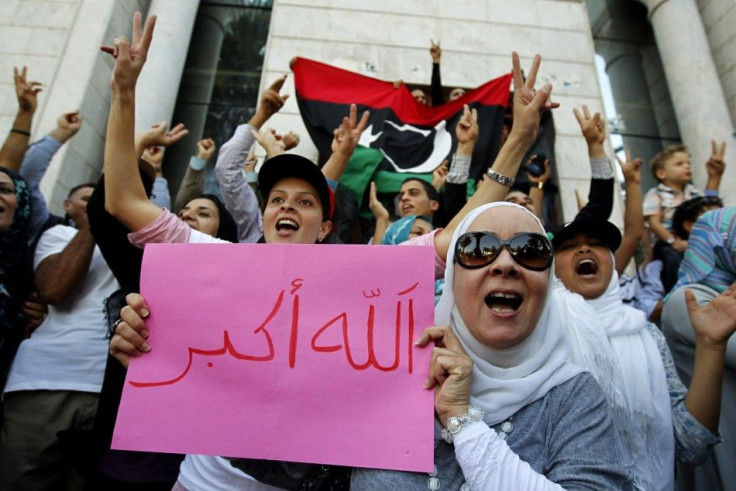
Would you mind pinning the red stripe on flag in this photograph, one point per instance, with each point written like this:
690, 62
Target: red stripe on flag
320, 82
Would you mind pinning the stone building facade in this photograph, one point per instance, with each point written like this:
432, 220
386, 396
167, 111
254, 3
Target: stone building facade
672, 65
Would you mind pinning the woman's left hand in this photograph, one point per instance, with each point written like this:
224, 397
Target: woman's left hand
716, 322
130, 56
450, 372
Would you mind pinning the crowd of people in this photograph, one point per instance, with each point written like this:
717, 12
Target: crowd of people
550, 367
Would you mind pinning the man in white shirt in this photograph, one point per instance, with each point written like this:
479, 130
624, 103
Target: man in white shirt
56, 377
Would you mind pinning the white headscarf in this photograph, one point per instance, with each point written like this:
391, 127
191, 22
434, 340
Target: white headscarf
504, 381
611, 340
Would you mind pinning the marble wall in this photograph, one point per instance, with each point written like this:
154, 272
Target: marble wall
59, 42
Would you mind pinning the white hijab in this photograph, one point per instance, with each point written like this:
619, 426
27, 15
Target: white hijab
504, 381
611, 340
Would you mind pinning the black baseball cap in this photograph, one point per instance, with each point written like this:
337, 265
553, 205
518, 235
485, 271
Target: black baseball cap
592, 227
292, 165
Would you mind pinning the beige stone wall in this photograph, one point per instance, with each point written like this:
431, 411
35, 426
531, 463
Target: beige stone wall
477, 38
59, 42
32, 33
719, 20
659, 92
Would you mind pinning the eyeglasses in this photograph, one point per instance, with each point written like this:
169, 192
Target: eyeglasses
478, 249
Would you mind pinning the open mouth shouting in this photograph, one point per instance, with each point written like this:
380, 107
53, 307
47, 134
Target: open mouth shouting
286, 226
586, 268
504, 303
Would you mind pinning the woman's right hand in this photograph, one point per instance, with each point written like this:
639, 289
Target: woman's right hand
450, 372
379, 211
131, 334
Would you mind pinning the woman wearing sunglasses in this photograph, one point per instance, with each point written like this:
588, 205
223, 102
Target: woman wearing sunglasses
512, 412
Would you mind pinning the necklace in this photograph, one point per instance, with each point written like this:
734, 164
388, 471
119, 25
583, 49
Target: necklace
434, 484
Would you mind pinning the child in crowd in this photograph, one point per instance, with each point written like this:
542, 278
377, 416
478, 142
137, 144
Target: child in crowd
671, 167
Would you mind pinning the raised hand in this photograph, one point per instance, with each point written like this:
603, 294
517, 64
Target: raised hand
593, 128
25, 91
347, 135
439, 176
158, 134
450, 372
379, 211
467, 129
70, 122
435, 51
250, 161
631, 169
67, 126
271, 100
206, 148
291, 140
271, 141
716, 164
130, 56
528, 103
154, 155
713, 323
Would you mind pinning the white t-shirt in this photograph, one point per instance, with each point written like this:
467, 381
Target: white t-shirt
208, 473
69, 350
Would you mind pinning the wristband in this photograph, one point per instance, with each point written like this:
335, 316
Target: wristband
671, 240
20, 132
540, 186
251, 177
197, 163
500, 178
457, 423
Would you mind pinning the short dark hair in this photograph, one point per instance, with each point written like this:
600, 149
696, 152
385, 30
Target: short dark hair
80, 186
689, 211
432, 193
661, 158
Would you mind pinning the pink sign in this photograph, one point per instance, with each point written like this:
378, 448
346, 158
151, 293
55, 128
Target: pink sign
301, 353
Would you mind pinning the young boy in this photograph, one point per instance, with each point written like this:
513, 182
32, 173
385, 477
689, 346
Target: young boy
671, 167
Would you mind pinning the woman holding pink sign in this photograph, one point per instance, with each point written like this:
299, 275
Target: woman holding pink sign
298, 210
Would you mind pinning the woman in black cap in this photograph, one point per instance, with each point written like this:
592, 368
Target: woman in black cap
658, 419
298, 210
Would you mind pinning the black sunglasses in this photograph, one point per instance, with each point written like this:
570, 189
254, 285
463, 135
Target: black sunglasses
478, 249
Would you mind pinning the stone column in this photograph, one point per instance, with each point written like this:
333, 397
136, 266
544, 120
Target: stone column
696, 91
159, 82
196, 90
633, 102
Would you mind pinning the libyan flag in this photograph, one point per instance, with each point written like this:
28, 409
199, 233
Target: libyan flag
403, 138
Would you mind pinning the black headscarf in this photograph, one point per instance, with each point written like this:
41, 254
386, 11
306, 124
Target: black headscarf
16, 275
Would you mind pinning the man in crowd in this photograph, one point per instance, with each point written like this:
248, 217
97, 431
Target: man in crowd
54, 382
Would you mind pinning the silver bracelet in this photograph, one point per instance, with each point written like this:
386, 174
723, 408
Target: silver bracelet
457, 423
500, 178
